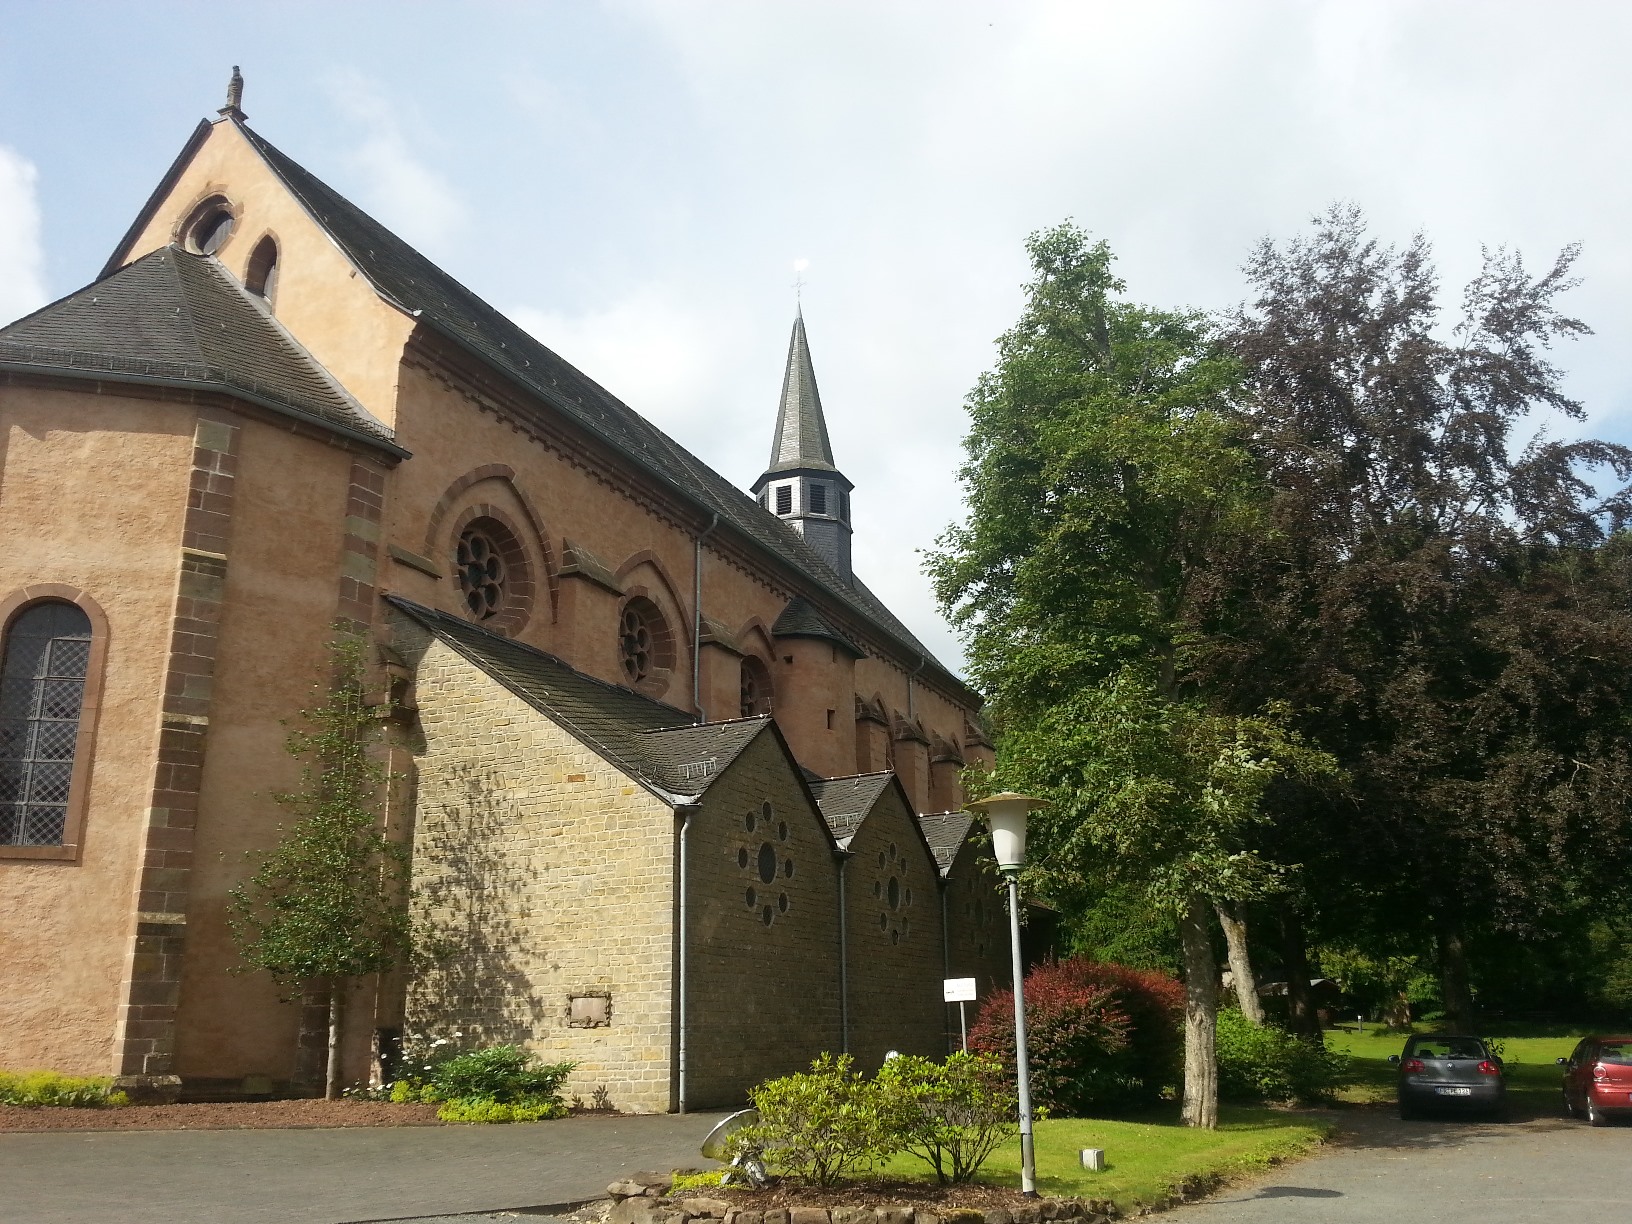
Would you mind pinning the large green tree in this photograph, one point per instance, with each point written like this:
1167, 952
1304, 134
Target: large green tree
1105, 467
1440, 595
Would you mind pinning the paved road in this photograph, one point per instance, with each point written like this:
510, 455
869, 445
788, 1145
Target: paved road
329, 1176
1384, 1171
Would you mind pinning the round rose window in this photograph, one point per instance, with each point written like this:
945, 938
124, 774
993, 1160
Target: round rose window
637, 645
481, 573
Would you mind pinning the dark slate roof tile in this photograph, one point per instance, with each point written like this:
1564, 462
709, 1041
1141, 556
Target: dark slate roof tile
801, 618
946, 832
651, 741
845, 802
176, 319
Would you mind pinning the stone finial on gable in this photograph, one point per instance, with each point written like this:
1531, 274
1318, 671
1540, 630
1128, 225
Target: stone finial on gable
235, 97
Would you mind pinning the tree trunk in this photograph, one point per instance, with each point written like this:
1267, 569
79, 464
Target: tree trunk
337, 1004
1232, 917
1453, 979
1301, 1015
1200, 1016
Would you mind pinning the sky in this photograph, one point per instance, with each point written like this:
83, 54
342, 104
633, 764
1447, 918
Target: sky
634, 180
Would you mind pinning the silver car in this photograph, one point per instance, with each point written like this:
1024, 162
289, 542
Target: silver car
1448, 1071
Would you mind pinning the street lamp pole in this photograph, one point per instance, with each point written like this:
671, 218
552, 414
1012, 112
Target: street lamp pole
1006, 813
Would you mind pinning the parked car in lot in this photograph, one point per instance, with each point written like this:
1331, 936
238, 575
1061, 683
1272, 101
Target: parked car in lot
1449, 1071
1598, 1079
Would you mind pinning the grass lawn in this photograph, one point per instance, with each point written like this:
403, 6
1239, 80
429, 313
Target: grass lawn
1146, 1158
1527, 1051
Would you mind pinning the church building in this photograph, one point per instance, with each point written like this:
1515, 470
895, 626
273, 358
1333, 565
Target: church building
682, 795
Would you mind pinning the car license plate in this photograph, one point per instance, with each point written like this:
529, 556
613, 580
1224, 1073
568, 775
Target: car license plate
1454, 1091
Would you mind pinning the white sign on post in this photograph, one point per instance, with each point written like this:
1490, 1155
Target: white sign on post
960, 991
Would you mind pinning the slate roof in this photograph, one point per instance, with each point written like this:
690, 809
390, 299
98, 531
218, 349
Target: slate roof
845, 802
946, 832
652, 742
801, 618
181, 320
405, 277
801, 439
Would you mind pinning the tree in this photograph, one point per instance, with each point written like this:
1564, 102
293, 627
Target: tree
1430, 592
1104, 469
327, 904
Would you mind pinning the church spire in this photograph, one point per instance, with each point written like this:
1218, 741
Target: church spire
802, 486
801, 430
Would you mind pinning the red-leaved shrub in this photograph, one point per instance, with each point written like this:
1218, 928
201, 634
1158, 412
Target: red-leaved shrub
1099, 1036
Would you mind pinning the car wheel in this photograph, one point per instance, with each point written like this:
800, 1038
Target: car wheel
1595, 1116
1569, 1106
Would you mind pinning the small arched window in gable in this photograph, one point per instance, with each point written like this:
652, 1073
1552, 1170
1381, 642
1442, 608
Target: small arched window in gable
261, 274
43, 660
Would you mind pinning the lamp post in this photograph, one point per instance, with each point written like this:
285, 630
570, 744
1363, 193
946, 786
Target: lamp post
1006, 814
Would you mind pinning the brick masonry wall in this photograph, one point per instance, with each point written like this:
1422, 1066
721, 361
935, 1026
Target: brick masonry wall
763, 998
977, 927
540, 872
894, 950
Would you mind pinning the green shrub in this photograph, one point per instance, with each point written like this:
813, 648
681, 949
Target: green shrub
502, 1083
1265, 1063
950, 1115
712, 1179
51, 1088
485, 1109
820, 1124
503, 1073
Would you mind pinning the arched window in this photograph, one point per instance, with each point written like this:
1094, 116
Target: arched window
261, 274
756, 688
645, 646
43, 661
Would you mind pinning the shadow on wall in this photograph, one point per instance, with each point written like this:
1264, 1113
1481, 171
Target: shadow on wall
472, 890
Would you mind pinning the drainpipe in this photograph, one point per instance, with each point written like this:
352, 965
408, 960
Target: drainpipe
844, 971
697, 619
685, 811
946, 962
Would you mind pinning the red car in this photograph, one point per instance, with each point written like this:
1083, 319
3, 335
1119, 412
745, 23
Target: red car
1598, 1079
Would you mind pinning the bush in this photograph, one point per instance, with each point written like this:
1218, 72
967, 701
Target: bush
1099, 1036
710, 1179
950, 1115
502, 1083
819, 1124
485, 1109
503, 1073
1265, 1063
34, 1088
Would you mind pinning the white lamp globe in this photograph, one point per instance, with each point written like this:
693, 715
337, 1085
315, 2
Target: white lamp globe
1006, 813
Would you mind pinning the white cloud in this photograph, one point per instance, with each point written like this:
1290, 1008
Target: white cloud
398, 185
22, 257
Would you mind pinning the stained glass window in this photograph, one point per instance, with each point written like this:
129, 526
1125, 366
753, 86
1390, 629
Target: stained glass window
42, 685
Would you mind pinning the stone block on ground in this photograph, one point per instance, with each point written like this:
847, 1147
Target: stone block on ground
999, 1215
776, 1215
808, 1215
711, 1208
1030, 1213
893, 1215
852, 1215
636, 1209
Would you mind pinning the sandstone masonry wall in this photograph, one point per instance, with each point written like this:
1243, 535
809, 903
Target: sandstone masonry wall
893, 912
763, 994
542, 872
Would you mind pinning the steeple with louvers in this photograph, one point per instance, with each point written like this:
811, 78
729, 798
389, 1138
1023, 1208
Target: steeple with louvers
802, 486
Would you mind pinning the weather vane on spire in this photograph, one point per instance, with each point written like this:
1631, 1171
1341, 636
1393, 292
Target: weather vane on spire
234, 109
799, 266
